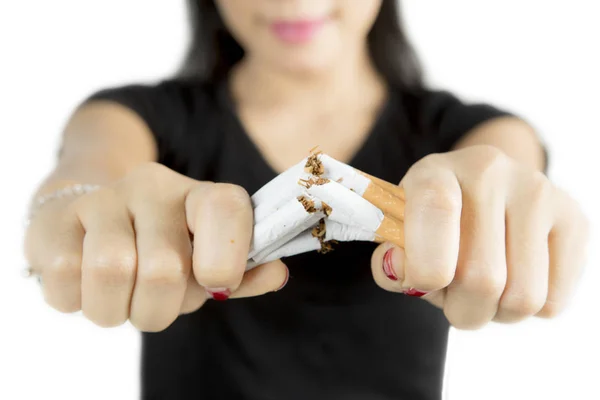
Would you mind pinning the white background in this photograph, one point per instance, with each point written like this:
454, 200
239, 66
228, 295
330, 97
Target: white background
536, 58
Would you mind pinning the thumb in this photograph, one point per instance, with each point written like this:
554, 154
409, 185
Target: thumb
387, 266
266, 278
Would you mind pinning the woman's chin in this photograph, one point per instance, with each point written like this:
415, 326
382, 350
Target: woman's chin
306, 66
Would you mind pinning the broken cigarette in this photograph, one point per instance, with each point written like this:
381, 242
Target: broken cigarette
356, 206
314, 239
348, 208
388, 197
382, 194
288, 221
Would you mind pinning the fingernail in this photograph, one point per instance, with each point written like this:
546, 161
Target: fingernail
388, 265
219, 294
414, 292
287, 278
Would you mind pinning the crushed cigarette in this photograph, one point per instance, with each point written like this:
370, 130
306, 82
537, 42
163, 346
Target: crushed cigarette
346, 204
327, 247
326, 208
313, 165
315, 180
320, 232
308, 204
290, 219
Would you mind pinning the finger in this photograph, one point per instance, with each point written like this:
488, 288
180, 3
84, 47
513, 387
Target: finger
164, 263
220, 217
195, 296
109, 259
387, 266
567, 253
528, 222
270, 277
472, 297
54, 249
432, 226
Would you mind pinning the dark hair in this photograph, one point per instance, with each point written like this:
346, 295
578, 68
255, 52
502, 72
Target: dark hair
213, 50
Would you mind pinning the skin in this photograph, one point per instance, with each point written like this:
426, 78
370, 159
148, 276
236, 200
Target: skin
486, 233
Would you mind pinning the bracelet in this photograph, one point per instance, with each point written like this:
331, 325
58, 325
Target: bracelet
67, 191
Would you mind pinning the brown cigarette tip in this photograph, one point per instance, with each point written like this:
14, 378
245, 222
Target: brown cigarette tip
390, 187
385, 201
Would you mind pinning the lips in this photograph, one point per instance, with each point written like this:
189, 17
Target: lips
296, 32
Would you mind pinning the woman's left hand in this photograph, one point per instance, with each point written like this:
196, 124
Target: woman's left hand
486, 238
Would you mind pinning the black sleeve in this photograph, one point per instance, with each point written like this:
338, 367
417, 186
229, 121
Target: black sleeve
164, 108
448, 118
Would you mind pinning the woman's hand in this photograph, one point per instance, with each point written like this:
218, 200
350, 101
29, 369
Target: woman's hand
486, 239
125, 251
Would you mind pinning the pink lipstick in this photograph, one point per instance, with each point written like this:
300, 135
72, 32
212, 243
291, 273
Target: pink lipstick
297, 32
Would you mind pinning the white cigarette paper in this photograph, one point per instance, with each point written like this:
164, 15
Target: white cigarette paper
346, 233
328, 189
344, 174
347, 207
275, 193
302, 243
291, 218
306, 224
306, 241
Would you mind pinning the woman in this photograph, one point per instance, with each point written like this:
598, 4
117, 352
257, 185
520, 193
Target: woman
164, 229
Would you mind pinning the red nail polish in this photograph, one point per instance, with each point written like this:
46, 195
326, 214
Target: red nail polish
287, 277
219, 295
388, 268
414, 293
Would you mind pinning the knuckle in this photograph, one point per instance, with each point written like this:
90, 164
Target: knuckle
541, 190
461, 320
550, 309
217, 276
64, 267
523, 303
64, 305
437, 194
487, 156
228, 197
432, 160
167, 268
489, 165
117, 269
150, 325
104, 321
482, 279
434, 278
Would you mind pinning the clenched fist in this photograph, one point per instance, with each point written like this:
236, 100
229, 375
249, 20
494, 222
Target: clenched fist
486, 239
125, 251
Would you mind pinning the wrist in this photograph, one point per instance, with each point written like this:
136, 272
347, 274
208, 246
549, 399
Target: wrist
56, 192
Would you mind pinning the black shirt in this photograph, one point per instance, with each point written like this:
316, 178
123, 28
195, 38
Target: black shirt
331, 333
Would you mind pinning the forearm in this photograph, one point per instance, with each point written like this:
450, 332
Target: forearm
513, 136
100, 144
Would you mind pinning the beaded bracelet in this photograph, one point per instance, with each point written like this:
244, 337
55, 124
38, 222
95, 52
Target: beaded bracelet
67, 191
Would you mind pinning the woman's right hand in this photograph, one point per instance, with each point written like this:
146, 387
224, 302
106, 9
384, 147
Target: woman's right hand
152, 246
